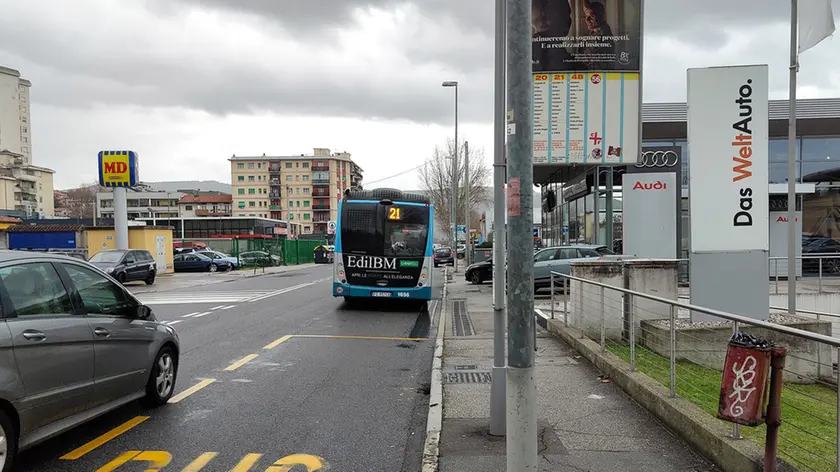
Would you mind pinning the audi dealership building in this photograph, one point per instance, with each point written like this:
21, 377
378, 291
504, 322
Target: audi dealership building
576, 203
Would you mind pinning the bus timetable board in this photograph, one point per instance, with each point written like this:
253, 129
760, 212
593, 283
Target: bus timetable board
383, 245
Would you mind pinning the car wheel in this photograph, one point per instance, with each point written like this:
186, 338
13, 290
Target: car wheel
151, 278
212, 268
8, 442
121, 277
161, 384
475, 277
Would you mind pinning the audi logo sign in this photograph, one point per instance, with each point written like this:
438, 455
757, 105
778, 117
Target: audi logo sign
650, 159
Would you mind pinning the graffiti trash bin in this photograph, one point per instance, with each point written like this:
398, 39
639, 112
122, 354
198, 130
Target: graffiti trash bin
743, 389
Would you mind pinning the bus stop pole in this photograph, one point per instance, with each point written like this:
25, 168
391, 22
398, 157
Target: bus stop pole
497, 387
466, 205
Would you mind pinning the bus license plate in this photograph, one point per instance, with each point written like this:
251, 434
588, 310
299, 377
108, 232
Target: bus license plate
380, 294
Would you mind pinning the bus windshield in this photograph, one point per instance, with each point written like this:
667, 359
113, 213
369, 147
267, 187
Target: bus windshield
384, 230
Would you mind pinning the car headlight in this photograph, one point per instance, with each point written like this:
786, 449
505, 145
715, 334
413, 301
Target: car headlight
109, 270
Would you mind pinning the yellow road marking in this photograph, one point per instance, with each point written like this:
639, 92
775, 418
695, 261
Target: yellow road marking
156, 459
200, 462
312, 463
191, 390
241, 362
375, 338
278, 342
246, 463
122, 459
81, 451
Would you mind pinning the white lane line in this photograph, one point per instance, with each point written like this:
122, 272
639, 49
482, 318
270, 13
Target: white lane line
191, 314
216, 307
170, 323
279, 292
227, 307
203, 314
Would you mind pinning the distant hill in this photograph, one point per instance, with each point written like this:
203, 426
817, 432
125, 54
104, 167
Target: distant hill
203, 185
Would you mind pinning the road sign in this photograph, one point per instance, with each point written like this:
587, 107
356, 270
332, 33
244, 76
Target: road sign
462, 229
536, 232
565, 229
118, 168
331, 227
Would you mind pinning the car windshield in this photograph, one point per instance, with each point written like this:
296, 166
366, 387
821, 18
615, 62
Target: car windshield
443, 251
108, 256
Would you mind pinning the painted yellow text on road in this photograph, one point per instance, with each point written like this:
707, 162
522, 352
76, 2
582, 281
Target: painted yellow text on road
156, 460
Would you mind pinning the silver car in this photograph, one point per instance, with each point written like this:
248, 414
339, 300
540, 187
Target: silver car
557, 259
74, 344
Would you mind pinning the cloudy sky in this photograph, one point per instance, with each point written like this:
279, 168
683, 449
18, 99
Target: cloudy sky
187, 83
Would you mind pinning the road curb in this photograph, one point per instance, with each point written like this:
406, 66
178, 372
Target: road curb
434, 420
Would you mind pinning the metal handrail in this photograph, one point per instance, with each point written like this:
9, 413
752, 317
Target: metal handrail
832, 341
807, 312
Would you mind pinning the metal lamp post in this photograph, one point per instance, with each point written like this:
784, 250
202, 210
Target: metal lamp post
454, 234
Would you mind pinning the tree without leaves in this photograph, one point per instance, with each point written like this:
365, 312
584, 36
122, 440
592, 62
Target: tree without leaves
81, 201
436, 181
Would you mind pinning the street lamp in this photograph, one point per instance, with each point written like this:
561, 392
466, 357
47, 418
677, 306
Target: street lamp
454, 243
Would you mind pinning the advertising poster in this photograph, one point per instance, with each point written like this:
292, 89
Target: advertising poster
585, 56
586, 35
728, 126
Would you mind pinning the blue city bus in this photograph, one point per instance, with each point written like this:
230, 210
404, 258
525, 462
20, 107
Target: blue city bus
383, 245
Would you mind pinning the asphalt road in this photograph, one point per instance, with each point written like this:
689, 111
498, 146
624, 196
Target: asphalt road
273, 371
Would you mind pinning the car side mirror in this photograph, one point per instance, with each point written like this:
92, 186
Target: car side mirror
130, 261
143, 312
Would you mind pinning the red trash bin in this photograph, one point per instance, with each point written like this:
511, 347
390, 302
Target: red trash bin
743, 389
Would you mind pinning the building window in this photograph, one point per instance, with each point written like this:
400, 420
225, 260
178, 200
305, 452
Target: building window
251, 191
306, 216
306, 203
259, 165
288, 165
240, 165
241, 191
250, 165
307, 229
297, 177
291, 216
241, 204
252, 204
288, 178
306, 166
297, 190
188, 207
306, 190
240, 178
305, 177
251, 178
297, 164
297, 203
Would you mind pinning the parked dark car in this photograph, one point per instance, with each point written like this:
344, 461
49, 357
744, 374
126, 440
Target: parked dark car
126, 265
196, 262
479, 272
444, 255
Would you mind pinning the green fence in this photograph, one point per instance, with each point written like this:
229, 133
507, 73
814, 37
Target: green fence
300, 251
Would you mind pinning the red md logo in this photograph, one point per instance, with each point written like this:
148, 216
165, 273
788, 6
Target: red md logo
115, 167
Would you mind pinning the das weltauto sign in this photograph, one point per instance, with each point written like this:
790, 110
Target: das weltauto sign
728, 127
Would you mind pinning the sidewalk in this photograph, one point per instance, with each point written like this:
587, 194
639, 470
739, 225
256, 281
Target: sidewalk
585, 423
181, 280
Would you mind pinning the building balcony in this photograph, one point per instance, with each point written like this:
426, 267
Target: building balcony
320, 192
321, 207
274, 195
324, 166
275, 207
211, 213
320, 181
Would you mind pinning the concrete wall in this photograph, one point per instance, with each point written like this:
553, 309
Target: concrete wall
587, 317
654, 277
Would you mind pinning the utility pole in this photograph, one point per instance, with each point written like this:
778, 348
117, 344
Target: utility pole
521, 385
453, 234
466, 204
791, 200
120, 218
497, 387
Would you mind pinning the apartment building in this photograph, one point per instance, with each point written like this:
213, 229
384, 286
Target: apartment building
205, 205
303, 190
15, 115
25, 189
